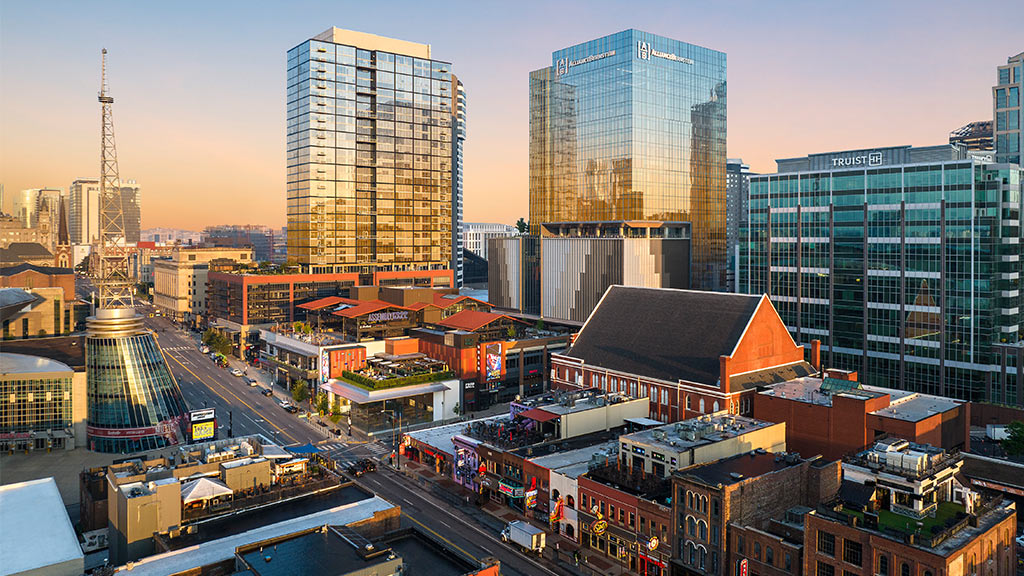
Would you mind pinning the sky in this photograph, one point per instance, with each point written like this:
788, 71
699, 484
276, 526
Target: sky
199, 87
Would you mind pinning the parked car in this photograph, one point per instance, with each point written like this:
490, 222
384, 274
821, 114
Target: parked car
236, 372
267, 392
205, 349
361, 467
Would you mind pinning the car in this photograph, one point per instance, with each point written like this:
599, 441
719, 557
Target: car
205, 349
291, 409
236, 372
253, 383
267, 392
336, 431
361, 467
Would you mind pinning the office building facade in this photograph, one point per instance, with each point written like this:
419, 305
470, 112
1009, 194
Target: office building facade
904, 262
632, 126
1007, 110
737, 202
179, 282
370, 149
259, 238
131, 204
476, 234
84, 210
459, 138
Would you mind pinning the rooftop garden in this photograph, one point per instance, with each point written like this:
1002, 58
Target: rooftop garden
948, 516
376, 380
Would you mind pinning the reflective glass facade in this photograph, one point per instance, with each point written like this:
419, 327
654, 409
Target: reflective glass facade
134, 402
1008, 107
632, 126
908, 273
369, 156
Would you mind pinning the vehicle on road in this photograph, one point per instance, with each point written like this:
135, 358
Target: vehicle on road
236, 372
267, 392
524, 535
289, 407
336, 431
253, 383
361, 467
205, 349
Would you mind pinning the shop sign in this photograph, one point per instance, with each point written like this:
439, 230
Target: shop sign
599, 526
652, 544
510, 490
325, 367
531, 498
197, 415
563, 64
743, 567
121, 432
387, 316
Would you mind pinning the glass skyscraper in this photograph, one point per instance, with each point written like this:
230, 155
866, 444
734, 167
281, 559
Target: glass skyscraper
370, 155
904, 262
632, 126
1008, 107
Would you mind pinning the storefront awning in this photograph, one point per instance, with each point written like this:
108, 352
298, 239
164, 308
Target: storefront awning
538, 415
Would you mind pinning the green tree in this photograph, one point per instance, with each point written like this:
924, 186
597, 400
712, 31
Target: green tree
336, 406
323, 403
217, 341
522, 225
457, 409
300, 391
1014, 441
540, 324
511, 332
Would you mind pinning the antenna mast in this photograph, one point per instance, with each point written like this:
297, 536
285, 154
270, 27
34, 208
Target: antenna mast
115, 284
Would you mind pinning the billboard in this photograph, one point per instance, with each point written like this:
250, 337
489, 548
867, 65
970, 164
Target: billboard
492, 360
202, 425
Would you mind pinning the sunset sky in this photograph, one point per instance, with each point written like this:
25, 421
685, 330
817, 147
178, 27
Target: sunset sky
199, 87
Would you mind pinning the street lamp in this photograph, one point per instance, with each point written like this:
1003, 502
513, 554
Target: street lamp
396, 440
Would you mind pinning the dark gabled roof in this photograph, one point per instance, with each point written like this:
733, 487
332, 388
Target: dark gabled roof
664, 333
856, 493
50, 270
17, 251
769, 376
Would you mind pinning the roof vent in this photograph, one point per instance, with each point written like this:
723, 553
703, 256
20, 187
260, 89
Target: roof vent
736, 475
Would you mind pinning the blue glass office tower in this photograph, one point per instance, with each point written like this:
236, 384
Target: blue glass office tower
904, 262
1008, 108
632, 126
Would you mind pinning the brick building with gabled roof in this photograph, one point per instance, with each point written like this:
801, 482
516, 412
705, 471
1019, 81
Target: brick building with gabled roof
690, 352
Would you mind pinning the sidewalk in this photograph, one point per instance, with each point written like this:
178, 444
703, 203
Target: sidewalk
558, 550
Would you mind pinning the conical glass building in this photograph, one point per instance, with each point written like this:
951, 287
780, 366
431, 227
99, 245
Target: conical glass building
134, 402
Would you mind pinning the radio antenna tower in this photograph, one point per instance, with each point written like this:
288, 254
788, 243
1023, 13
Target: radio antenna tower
115, 284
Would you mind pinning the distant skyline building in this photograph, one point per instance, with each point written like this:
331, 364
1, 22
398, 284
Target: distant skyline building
476, 234
632, 126
904, 262
974, 136
737, 202
131, 203
370, 156
1007, 110
170, 236
259, 238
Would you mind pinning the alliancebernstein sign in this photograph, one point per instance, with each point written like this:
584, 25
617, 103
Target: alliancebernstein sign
563, 64
644, 52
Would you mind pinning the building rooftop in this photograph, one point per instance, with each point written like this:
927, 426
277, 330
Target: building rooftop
22, 364
739, 468
907, 459
224, 548
35, 530
694, 432
664, 333
564, 459
69, 350
473, 320
903, 405
440, 437
320, 552
368, 41
50, 270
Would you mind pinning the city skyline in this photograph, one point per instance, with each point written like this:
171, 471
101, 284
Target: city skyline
786, 99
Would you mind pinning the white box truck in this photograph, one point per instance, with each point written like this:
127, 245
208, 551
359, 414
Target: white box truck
525, 535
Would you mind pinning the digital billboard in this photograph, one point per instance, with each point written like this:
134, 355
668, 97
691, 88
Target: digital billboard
494, 361
202, 425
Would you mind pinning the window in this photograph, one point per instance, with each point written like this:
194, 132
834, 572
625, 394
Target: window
852, 552
689, 404
883, 565
826, 543
611, 512
769, 555
714, 534
701, 405
788, 559
715, 507
905, 568
825, 569
632, 519
757, 550
739, 544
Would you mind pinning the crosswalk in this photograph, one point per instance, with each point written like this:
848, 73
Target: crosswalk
176, 348
345, 455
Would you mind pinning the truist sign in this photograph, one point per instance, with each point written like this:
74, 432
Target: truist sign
644, 52
869, 159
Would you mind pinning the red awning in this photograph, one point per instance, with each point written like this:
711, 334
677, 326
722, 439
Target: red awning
538, 415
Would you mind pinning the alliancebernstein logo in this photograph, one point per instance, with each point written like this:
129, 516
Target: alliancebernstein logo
644, 52
871, 159
562, 65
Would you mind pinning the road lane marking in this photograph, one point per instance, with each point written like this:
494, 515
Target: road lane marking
294, 439
447, 541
